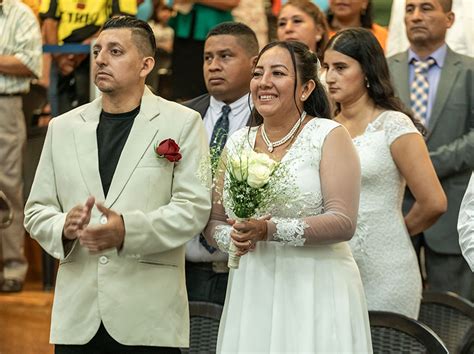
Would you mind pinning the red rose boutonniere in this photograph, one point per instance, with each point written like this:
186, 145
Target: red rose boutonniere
169, 150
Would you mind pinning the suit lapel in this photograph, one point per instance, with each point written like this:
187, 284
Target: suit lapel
141, 137
447, 79
400, 78
203, 106
85, 139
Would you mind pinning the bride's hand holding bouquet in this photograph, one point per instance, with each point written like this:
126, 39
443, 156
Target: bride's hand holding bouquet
247, 189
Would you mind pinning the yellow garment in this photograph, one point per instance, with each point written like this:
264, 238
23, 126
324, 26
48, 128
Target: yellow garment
34, 5
378, 31
75, 15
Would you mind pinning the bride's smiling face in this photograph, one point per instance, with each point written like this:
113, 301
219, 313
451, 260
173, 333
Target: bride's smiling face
272, 85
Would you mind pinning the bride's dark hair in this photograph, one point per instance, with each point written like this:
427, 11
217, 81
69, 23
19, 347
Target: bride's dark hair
305, 65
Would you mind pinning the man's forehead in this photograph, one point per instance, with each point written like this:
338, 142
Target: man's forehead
114, 35
436, 3
222, 42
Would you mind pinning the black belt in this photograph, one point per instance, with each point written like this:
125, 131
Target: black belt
11, 94
215, 267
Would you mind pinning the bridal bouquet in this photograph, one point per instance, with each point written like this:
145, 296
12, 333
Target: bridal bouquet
247, 188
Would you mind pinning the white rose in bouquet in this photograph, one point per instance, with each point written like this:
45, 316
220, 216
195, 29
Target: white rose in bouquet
260, 168
239, 165
247, 187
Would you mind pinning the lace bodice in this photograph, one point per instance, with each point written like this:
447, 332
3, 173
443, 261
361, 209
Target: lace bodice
381, 245
382, 186
309, 208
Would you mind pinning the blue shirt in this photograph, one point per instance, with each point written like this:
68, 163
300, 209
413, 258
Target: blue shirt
434, 73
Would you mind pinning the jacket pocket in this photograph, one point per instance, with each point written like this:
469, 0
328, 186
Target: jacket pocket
157, 263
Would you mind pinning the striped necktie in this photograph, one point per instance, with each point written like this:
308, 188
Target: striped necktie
420, 88
220, 131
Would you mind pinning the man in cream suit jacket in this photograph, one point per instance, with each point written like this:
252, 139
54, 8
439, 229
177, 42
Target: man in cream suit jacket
121, 281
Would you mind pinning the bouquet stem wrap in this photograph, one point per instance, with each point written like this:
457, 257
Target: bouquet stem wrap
234, 260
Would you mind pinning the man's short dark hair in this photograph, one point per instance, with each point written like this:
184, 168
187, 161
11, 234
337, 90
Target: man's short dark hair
447, 5
243, 33
141, 32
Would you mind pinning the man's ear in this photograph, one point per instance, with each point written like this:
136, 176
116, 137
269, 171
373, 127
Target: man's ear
450, 17
147, 66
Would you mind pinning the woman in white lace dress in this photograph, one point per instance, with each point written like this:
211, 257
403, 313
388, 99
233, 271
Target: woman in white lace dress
299, 290
392, 153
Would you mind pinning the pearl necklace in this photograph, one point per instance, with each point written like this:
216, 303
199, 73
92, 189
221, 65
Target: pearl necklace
271, 146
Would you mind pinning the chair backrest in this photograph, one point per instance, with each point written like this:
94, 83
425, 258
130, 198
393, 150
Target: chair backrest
450, 316
396, 333
467, 344
205, 318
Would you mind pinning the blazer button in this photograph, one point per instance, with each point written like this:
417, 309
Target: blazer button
103, 220
103, 260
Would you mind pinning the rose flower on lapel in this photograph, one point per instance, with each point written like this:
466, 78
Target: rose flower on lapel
169, 150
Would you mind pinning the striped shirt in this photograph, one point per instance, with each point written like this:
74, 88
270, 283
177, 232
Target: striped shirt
20, 36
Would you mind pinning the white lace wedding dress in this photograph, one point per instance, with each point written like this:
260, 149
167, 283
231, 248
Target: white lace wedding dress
381, 245
301, 291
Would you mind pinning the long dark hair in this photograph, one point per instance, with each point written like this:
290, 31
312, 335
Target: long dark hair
360, 44
366, 17
305, 66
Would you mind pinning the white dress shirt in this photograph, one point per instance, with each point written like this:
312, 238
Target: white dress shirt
238, 117
466, 224
460, 37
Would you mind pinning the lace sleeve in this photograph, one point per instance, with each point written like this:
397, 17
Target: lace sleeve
217, 231
397, 124
340, 187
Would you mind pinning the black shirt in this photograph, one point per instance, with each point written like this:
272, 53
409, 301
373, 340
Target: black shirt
112, 134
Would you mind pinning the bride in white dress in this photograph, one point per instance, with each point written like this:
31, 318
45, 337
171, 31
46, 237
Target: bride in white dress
299, 289
391, 151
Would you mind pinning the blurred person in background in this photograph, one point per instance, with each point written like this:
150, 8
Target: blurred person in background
253, 14
354, 13
303, 21
20, 62
159, 24
191, 24
322, 4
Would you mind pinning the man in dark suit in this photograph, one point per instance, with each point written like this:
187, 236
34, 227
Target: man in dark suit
438, 84
230, 51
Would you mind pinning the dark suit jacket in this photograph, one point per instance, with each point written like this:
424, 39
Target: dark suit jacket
201, 104
450, 138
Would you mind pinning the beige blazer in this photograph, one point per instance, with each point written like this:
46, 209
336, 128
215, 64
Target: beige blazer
138, 293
